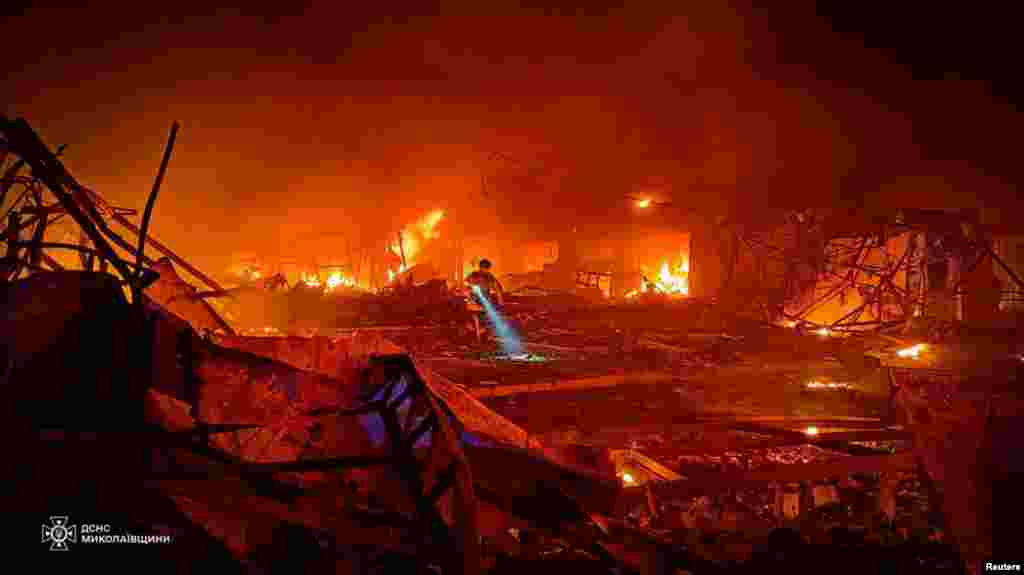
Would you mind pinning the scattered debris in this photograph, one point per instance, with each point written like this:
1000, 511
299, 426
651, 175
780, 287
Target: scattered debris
679, 432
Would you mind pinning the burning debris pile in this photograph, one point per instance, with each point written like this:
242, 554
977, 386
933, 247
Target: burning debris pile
411, 242
673, 281
280, 440
336, 281
283, 441
364, 444
833, 271
328, 297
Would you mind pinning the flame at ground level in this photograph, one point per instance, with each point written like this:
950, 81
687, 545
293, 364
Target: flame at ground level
392, 274
669, 280
335, 280
413, 238
677, 282
913, 352
362, 268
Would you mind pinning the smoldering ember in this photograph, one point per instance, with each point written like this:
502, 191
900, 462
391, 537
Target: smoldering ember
562, 357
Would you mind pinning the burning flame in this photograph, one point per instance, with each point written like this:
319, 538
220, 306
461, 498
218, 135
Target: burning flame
644, 203
913, 352
811, 431
826, 385
392, 274
678, 282
414, 237
824, 332
674, 282
668, 281
335, 280
250, 273
628, 479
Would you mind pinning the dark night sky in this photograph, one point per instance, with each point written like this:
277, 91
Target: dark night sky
321, 119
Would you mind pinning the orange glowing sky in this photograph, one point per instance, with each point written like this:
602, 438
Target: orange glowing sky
324, 121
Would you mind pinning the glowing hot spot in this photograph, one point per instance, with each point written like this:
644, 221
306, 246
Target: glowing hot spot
912, 352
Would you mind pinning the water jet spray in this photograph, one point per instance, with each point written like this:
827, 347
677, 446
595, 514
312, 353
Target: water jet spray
511, 344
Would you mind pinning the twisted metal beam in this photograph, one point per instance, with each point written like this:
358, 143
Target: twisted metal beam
51, 172
151, 201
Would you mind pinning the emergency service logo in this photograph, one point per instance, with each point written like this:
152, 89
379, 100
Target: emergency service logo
58, 533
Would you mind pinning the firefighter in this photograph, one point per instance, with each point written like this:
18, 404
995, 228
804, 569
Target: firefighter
488, 284
490, 288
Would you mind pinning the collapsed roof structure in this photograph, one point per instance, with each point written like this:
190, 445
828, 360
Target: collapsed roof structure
338, 434
324, 453
858, 271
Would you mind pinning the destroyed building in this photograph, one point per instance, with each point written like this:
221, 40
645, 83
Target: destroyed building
320, 435
670, 366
